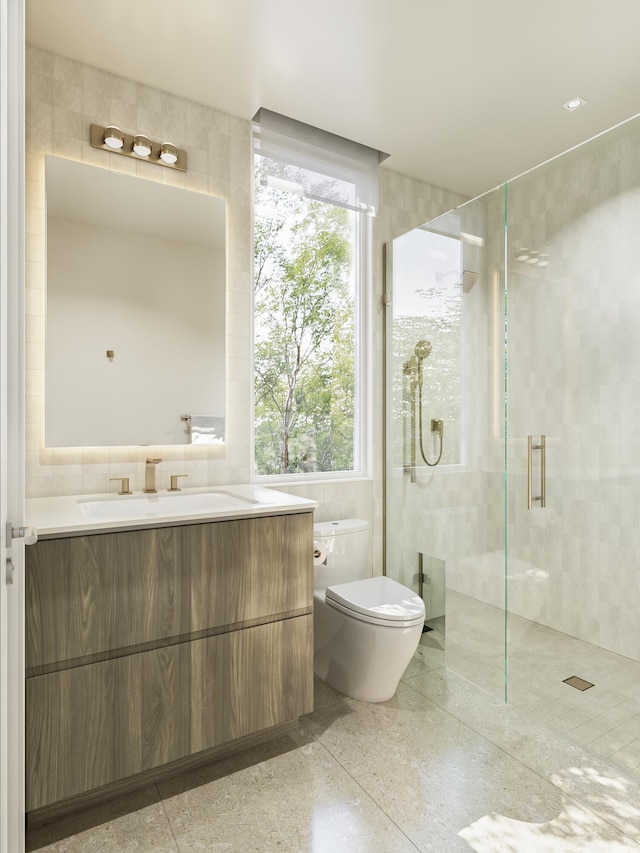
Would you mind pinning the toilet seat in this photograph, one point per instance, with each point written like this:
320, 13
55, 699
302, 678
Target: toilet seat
380, 601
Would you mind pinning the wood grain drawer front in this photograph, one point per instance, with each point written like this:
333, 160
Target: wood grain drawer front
249, 569
93, 725
88, 595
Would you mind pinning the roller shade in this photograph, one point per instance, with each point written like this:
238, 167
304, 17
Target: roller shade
302, 159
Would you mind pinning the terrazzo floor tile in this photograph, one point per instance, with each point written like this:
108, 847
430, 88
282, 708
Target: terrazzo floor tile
430, 773
597, 784
629, 757
136, 823
283, 797
539, 659
575, 829
323, 695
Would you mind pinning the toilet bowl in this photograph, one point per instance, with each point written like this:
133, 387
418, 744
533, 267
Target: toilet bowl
366, 630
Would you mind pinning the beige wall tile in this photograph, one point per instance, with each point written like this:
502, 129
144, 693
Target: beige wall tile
66, 70
67, 122
148, 121
39, 114
67, 96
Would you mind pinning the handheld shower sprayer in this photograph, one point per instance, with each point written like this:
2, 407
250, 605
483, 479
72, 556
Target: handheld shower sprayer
422, 351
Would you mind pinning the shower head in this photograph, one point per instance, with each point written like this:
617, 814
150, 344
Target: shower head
423, 349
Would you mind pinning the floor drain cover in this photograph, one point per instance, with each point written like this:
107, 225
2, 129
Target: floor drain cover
578, 683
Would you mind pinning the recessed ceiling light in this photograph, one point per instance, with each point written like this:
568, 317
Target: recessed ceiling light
521, 255
574, 104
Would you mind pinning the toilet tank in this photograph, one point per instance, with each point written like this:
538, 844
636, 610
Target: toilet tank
346, 544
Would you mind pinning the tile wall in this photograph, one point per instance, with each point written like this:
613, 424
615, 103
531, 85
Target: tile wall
574, 376
63, 98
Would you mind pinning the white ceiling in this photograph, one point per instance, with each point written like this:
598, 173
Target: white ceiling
461, 93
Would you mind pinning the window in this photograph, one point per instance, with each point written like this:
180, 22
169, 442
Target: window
312, 200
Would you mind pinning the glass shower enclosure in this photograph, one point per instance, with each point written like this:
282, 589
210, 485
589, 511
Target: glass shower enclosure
445, 412
513, 426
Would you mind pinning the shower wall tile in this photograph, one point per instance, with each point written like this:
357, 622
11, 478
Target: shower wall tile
574, 375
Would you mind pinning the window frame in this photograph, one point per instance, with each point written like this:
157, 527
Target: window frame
363, 404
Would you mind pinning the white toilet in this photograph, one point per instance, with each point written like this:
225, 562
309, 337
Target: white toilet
366, 629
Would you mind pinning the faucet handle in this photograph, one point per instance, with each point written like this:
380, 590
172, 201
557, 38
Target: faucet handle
124, 485
174, 482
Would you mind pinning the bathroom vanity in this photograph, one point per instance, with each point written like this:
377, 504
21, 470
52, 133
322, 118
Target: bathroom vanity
155, 642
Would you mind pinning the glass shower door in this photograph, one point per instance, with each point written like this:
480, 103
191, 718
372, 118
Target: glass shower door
512, 416
445, 434
574, 387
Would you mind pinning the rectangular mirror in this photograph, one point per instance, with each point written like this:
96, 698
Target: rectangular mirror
136, 288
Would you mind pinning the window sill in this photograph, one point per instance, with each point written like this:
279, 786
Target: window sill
284, 480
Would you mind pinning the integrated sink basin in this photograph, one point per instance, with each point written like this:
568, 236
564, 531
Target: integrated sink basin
162, 504
76, 515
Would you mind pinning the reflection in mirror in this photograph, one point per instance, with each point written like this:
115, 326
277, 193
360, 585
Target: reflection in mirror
136, 280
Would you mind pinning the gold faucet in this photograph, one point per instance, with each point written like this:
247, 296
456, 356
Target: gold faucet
150, 475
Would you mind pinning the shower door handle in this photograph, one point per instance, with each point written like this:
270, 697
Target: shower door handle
542, 447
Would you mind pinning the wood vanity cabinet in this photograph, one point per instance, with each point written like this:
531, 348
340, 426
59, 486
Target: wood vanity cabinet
148, 646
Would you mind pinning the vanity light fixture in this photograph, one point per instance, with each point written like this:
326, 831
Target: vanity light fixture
138, 146
113, 138
574, 103
142, 145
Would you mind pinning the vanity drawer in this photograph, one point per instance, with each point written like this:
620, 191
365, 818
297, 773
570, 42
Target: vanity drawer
94, 725
91, 596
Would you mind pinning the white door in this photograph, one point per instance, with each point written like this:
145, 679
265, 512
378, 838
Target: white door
12, 799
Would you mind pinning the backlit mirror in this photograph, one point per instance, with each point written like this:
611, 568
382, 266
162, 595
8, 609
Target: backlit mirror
136, 281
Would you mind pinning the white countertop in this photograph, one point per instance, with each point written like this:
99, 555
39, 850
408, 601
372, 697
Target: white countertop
64, 516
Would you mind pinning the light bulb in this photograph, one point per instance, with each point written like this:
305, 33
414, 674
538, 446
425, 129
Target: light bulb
113, 137
574, 103
142, 145
168, 153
